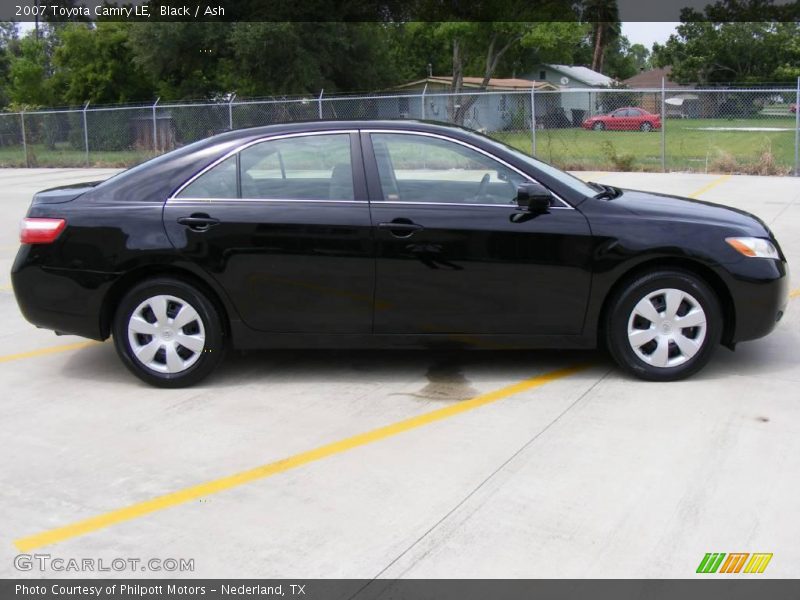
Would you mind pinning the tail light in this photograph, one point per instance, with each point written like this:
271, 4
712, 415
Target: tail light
40, 231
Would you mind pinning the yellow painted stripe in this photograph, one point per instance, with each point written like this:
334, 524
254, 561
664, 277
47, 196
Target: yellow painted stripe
46, 351
764, 562
710, 186
141, 509
794, 293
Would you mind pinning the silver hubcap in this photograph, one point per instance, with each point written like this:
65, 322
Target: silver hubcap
667, 328
166, 334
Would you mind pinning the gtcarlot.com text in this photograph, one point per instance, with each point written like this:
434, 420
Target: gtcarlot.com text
47, 563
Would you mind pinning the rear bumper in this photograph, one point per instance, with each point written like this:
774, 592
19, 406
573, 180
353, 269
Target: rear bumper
760, 291
64, 300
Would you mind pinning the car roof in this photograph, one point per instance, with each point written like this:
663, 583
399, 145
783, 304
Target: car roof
323, 125
152, 179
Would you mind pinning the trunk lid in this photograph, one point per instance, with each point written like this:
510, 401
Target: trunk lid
64, 193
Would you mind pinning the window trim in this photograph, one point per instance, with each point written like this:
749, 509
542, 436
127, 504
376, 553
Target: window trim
529, 178
236, 151
173, 197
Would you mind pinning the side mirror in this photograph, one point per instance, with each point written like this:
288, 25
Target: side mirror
533, 197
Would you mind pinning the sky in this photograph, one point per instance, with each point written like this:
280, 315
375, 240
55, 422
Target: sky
646, 33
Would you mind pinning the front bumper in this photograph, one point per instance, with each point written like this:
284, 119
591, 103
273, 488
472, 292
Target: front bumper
760, 292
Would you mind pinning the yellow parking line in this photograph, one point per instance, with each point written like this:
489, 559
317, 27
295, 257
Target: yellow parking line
709, 186
794, 293
46, 351
215, 486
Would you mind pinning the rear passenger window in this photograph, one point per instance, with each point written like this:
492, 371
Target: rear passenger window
314, 167
218, 182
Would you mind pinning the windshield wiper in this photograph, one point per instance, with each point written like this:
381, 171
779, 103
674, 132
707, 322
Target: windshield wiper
607, 192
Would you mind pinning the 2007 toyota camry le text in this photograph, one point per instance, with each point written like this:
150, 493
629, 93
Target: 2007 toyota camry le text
388, 234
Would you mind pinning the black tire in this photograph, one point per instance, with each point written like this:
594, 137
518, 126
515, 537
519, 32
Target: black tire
205, 331
624, 323
646, 126
598, 126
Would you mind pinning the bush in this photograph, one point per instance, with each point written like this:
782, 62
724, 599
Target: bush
621, 162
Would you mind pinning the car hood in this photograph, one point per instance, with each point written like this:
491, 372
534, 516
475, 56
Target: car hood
64, 193
676, 208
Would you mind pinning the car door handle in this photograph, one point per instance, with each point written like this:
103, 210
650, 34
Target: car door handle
401, 227
198, 222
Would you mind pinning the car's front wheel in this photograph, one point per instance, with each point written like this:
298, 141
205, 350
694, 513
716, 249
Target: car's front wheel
168, 333
664, 325
598, 126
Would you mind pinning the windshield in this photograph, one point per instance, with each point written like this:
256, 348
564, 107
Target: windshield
577, 185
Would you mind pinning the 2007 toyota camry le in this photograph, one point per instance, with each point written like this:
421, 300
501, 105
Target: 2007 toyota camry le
388, 234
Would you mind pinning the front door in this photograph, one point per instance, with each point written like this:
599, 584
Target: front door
454, 252
284, 227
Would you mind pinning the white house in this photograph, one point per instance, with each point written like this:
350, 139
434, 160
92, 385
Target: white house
503, 104
569, 106
567, 76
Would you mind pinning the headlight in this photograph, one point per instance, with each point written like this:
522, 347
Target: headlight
753, 247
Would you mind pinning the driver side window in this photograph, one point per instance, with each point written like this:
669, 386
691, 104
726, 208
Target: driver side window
416, 168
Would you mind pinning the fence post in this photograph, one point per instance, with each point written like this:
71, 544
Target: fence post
24, 141
533, 120
230, 111
422, 105
663, 125
86, 134
797, 131
319, 103
155, 127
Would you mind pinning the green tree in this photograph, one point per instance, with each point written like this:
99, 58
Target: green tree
725, 52
606, 27
640, 56
29, 73
94, 64
299, 58
624, 60
8, 39
479, 48
181, 60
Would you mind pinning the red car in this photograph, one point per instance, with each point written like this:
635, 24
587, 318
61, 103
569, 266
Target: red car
629, 118
793, 108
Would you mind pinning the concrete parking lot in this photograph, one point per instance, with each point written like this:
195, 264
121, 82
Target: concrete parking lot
403, 464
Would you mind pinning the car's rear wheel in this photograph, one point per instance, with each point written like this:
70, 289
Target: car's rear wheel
664, 325
646, 126
598, 126
168, 333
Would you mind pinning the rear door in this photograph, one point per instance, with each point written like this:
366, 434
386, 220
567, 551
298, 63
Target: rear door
454, 252
619, 120
284, 227
636, 118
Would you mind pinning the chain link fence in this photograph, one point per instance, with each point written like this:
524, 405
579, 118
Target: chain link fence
754, 131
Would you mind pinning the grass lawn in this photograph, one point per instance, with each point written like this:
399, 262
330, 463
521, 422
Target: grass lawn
690, 146
65, 156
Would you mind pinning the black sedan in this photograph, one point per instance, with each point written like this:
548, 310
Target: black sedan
389, 233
